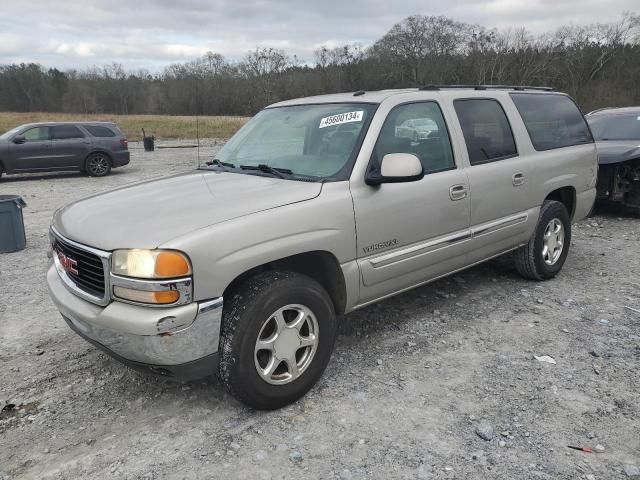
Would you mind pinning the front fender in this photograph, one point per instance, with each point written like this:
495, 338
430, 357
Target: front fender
222, 252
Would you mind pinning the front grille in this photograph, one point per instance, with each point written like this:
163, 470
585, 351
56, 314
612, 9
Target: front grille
90, 276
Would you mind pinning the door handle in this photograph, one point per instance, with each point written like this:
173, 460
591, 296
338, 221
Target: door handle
458, 192
518, 179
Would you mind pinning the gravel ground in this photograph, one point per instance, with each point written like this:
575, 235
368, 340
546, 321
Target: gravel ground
413, 382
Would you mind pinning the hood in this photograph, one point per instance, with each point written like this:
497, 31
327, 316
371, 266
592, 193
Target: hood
145, 215
614, 151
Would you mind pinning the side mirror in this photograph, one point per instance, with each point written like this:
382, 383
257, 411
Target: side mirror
19, 139
397, 168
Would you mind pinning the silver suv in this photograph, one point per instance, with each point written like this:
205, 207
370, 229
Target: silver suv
92, 147
315, 208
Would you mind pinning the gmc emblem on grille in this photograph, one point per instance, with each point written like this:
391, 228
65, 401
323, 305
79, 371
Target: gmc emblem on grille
69, 264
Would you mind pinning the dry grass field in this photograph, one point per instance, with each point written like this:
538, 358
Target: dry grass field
163, 127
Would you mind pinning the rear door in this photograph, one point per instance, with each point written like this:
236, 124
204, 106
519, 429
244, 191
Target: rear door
500, 177
32, 155
69, 146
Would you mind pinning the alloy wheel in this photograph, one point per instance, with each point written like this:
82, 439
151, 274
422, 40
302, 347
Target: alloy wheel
98, 165
286, 344
552, 241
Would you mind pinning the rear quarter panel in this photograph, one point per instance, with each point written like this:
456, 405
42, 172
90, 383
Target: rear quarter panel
548, 170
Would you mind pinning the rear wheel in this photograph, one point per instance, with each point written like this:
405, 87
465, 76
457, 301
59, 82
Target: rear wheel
98, 165
543, 257
278, 332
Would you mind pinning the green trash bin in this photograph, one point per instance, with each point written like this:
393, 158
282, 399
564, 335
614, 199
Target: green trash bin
12, 237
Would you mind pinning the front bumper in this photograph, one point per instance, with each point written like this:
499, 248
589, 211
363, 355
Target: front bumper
179, 342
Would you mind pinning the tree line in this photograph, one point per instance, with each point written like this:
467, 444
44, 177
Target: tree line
598, 64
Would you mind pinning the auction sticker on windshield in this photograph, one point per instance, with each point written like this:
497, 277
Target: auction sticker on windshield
342, 118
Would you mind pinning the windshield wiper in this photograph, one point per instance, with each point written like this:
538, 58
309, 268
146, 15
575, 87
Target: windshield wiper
218, 163
275, 171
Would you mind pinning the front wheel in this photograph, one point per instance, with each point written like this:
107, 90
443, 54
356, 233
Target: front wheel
545, 253
278, 332
98, 165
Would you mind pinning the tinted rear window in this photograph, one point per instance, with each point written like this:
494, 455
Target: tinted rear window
486, 130
97, 131
553, 121
61, 132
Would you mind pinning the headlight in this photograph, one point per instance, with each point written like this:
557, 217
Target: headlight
151, 277
150, 264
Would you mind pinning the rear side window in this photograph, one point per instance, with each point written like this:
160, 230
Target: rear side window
63, 132
553, 121
97, 131
486, 130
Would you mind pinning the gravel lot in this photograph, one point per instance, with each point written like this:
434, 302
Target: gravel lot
411, 380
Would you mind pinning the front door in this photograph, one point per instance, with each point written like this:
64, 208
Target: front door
409, 233
33, 154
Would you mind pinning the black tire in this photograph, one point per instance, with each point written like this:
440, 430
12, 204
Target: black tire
98, 164
246, 311
1, 171
528, 259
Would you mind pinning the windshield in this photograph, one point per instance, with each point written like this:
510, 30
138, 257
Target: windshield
317, 141
9, 133
615, 127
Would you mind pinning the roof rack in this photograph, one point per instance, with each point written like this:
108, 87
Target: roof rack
487, 87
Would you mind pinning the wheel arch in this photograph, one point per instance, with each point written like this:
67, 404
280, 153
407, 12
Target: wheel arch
320, 265
566, 196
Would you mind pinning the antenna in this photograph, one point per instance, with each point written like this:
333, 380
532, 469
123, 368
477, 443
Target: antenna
197, 124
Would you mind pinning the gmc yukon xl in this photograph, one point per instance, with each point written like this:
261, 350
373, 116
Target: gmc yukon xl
314, 208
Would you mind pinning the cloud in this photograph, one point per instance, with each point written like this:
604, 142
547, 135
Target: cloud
153, 33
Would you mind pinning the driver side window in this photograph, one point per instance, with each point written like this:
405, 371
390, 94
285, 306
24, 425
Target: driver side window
419, 129
36, 134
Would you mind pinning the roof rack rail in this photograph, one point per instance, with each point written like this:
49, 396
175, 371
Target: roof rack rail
487, 87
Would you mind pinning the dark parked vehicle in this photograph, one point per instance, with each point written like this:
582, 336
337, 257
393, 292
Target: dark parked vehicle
617, 135
92, 147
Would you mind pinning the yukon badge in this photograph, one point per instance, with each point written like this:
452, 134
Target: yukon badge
374, 247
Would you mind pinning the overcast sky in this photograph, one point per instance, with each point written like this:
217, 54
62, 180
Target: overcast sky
150, 34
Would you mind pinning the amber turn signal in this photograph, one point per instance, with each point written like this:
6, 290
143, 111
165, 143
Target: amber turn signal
160, 298
171, 264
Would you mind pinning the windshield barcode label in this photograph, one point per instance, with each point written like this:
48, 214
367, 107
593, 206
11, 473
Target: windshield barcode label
342, 118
